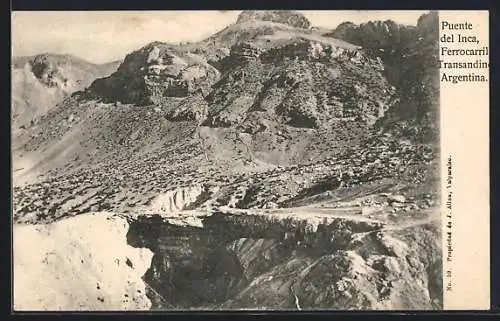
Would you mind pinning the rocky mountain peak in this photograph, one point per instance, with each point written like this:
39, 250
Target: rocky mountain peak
288, 17
410, 54
155, 72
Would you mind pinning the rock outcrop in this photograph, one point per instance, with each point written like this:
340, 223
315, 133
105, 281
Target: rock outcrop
266, 262
287, 17
304, 83
193, 108
174, 201
411, 57
153, 74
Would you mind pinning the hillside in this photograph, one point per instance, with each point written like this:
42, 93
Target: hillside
41, 82
410, 55
260, 166
272, 100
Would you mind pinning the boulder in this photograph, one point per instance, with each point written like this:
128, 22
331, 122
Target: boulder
396, 198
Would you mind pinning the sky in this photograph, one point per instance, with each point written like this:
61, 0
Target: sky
104, 36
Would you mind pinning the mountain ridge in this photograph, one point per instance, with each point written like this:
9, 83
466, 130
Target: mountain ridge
40, 82
411, 55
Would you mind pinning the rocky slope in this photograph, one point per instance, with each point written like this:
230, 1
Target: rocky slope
262, 102
259, 166
154, 72
40, 82
410, 55
302, 83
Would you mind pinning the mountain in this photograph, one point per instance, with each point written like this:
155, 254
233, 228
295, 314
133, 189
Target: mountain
300, 78
40, 82
276, 90
260, 168
410, 55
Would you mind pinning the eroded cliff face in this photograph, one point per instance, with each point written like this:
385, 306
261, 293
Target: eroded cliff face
105, 261
270, 262
177, 200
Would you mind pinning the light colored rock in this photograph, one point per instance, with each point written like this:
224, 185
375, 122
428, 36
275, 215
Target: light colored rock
366, 210
154, 54
79, 264
396, 198
271, 205
396, 204
175, 200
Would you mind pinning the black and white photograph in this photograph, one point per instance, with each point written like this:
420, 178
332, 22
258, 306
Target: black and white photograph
226, 160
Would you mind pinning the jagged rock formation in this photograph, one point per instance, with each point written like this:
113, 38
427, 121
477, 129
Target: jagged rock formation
193, 108
126, 185
269, 88
306, 83
155, 72
42, 81
244, 261
411, 57
225, 262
